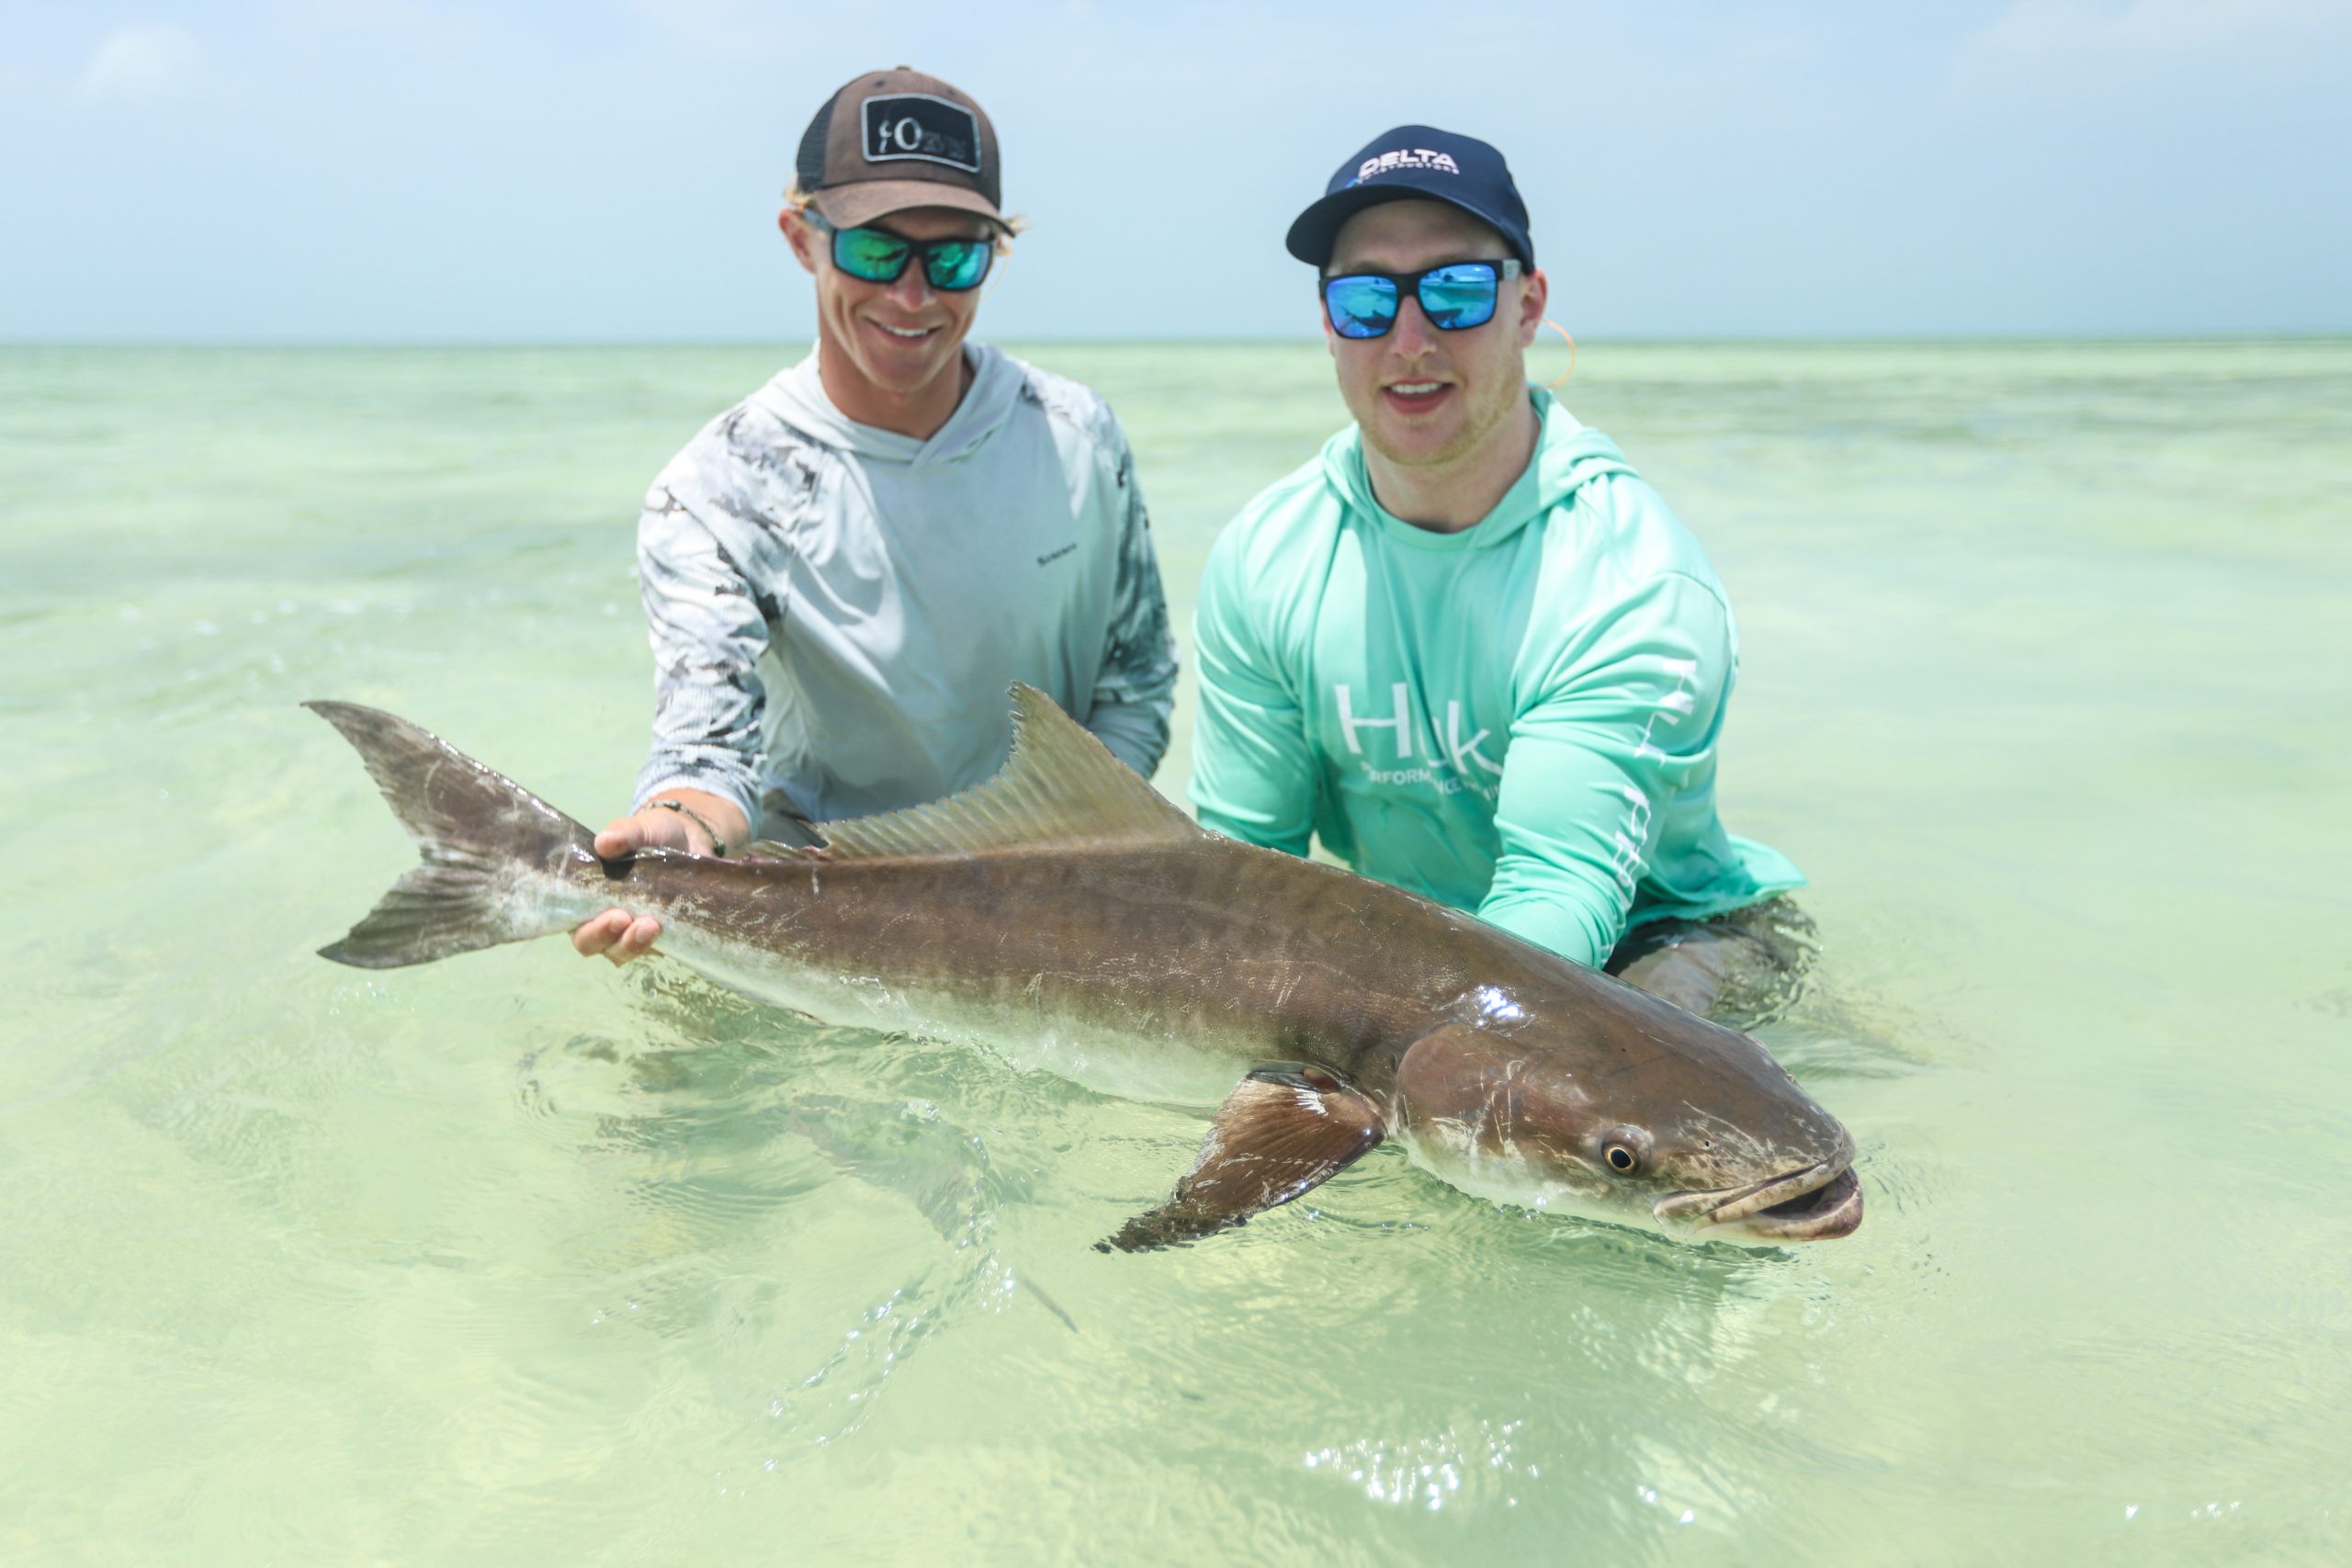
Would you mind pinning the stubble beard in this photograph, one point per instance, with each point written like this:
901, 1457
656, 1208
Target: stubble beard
1479, 423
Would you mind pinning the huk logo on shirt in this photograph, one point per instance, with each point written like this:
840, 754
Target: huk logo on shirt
1425, 752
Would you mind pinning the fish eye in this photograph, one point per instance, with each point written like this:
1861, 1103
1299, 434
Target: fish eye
1624, 1148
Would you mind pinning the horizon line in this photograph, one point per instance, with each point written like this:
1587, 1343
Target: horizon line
1891, 339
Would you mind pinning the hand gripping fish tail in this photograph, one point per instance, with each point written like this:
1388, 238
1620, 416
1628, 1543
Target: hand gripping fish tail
1067, 917
482, 838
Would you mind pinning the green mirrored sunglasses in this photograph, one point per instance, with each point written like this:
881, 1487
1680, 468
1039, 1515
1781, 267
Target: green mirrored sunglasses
876, 255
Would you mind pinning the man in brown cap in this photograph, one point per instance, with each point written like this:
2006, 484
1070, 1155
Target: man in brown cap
846, 570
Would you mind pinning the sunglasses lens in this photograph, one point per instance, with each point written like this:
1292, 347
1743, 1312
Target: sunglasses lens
870, 254
1360, 307
953, 266
1458, 296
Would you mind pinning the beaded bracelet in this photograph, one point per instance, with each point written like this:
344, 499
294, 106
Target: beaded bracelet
717, 844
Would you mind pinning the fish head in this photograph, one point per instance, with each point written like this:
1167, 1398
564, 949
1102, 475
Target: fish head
1640, 1114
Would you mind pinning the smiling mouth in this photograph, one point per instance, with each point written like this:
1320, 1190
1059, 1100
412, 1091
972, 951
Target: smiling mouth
1416, 395
1819, 1202
904, 334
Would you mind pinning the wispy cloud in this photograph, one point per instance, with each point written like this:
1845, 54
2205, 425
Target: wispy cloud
149, 60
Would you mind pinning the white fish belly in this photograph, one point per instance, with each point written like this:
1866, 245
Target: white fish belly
1140, 1063
1504, 1175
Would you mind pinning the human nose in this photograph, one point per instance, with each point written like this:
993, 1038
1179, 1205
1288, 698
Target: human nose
1412, 334
910, 290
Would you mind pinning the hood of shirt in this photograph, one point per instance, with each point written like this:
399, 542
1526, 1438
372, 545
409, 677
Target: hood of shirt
797, 397
1568, 455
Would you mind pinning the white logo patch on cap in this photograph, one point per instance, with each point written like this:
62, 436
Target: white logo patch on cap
916, 125
1407, 158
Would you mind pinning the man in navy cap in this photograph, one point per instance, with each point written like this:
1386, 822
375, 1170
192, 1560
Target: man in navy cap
1468, 647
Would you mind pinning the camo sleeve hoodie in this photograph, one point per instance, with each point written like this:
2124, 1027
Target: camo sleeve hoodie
837, 611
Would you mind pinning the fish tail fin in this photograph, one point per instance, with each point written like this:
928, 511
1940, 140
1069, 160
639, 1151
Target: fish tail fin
492, 851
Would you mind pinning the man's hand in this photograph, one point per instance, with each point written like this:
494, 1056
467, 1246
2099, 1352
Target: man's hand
620, 935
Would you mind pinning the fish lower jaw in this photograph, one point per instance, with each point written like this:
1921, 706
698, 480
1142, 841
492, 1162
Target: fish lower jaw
1820, 1202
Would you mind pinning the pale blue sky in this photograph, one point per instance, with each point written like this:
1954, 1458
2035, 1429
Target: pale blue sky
608, 170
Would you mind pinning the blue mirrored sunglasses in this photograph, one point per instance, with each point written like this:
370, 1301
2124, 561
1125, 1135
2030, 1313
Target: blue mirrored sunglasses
1455, 297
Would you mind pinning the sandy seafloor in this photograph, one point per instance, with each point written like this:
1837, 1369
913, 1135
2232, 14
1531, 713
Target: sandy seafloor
520, 1259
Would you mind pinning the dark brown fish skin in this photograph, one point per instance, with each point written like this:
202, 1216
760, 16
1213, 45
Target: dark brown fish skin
1211, 938
1215, 940
1065, 896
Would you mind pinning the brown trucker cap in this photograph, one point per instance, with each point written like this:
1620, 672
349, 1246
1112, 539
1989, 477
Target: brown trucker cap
891, 139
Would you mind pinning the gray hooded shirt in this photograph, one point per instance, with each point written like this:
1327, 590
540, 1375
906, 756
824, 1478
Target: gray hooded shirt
837, 611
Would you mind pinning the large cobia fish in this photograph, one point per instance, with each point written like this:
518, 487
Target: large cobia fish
1069, 915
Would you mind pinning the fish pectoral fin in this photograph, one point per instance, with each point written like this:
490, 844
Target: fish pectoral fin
1285, 1130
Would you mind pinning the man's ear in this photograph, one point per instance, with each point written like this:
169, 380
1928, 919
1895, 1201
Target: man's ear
799, 236
1535, 291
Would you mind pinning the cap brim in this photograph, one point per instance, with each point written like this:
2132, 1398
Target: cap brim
846, 207
1316, 230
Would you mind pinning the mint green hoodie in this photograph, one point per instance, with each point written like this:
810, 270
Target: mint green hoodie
1519, 719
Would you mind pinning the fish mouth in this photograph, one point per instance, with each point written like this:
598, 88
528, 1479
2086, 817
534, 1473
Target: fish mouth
1820, 1202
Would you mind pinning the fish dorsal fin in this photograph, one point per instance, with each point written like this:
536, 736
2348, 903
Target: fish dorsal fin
1060, 786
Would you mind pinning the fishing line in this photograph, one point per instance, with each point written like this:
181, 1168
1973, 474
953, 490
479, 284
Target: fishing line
1572, 351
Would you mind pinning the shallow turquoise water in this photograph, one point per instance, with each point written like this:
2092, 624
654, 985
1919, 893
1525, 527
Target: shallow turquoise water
517, 1259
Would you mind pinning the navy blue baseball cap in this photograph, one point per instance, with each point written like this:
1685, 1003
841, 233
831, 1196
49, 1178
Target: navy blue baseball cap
1415, 163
